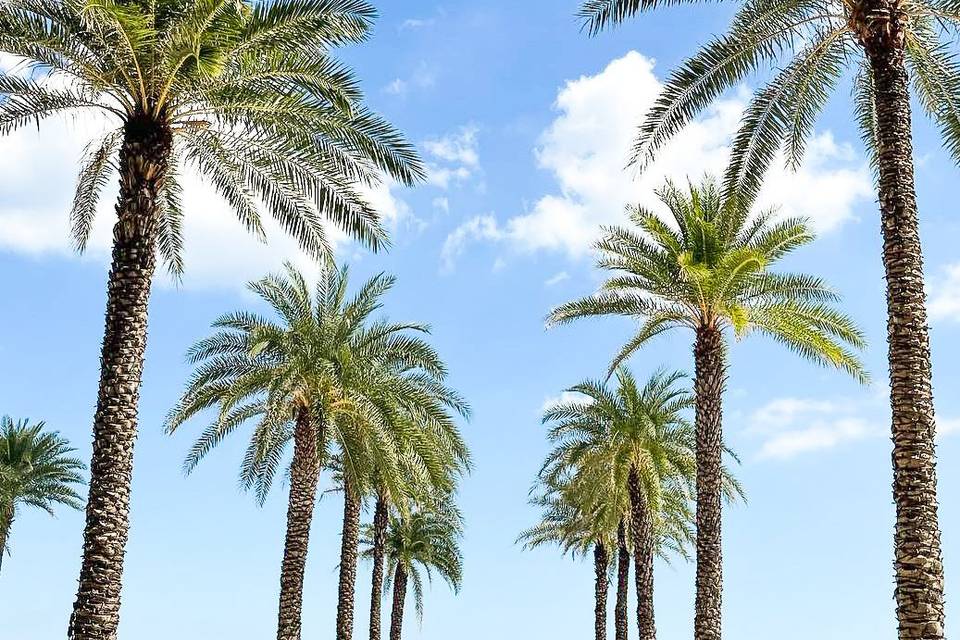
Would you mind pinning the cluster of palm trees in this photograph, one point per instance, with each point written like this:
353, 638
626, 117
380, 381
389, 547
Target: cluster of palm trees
249, 96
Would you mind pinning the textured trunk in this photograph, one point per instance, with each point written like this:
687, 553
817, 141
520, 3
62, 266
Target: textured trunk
399, 597
642, 527
623, 584
710, 374
376, 580
348, 560
144, 157
6, 524
918, 565
304, 475
601, 560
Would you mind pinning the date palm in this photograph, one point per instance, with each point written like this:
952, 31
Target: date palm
710, 272
631, 445
323, 374
246, 94
37, 469
812, 45
425, 541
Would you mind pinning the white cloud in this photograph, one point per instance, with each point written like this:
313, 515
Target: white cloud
945, 295
37, 178
422, 77
417, 23
566, 396
442, 203
788, 427
477, 228
588, 144
454, 157
947, 427
557, 279
396, 87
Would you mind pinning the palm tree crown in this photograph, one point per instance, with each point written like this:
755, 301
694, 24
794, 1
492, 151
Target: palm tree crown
36, 470
710, 270
246, 94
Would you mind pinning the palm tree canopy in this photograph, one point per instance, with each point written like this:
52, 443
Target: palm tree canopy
427, 540
710, 268
36, 469
377, 386
811, 45
249, 92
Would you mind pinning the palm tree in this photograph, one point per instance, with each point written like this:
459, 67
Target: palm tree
427, 540
812, 45
565, 523
711, 273
246, 94
324, 375
36, 470
631, 447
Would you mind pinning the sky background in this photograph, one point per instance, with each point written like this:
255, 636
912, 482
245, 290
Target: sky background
525, 123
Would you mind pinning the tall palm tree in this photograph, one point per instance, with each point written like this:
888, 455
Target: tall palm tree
320, 375
812, 45
246, 94
36, 470
633, 447
427, 540
711, 273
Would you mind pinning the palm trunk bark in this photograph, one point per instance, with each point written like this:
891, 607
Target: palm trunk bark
622, 611
348, 560
144, 158
6, 524
708, 386
376, 580
399, 597
918, 564
601, 560
304, 476
642, 527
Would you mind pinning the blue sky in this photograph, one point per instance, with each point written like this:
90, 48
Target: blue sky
525, 123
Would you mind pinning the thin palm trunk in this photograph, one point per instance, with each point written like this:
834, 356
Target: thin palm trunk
304, 476
622, 611
376, 580
708, 386
6, 524
918, 563
642, 527
601, 560
399, 598
144, 158
348, 560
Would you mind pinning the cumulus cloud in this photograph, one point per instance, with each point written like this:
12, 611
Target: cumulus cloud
789, 427
477, 228
454, 157
37, 178
588, 144
945, 295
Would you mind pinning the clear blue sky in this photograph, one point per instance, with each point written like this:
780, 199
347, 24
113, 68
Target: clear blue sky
525, 123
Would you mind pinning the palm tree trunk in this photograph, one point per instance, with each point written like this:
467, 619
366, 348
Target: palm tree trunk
6, 524
601, 560
144, 158
304, 476
918, 563
399, 597
348, 560
709, 383
642, 527
623, 584
376, 581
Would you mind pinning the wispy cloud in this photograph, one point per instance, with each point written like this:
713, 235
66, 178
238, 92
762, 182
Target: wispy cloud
945, 294
789, 427
453, 158
477, 228
557, 279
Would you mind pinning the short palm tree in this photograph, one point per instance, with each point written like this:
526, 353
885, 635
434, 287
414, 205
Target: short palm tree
578, 532
325, 374
246, 94
36, 470
812, 45
710, 272
634, 443
425, 541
